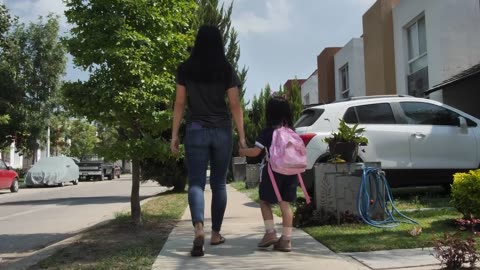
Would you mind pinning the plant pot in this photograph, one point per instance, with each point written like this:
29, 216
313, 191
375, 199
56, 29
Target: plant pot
347, 151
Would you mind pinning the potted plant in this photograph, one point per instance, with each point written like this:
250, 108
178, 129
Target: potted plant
344, 143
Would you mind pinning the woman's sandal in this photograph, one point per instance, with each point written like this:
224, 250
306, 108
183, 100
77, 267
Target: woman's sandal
197, 249
221, 241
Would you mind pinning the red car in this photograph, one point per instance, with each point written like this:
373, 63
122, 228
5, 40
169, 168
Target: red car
8, 177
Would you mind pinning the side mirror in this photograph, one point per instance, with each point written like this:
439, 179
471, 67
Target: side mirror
462, 123
9, 168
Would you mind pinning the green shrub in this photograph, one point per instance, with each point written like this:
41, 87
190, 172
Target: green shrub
21, 172
466, 193
168, 172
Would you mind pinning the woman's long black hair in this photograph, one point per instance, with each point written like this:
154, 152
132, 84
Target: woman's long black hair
207, 62
278, 112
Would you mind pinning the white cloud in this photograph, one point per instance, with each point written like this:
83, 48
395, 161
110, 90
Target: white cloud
276, 19
29, 10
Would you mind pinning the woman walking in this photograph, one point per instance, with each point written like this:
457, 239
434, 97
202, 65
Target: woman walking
203, 82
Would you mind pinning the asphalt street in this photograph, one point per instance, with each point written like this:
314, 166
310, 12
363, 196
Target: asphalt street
37, 217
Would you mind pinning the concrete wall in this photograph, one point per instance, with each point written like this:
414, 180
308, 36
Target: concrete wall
326, 74
351, 54
12, 158
378, 48
453, 38
310, 87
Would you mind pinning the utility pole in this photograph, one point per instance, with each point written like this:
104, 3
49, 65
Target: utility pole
48, 139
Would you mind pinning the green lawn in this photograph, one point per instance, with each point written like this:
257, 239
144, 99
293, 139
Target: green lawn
361, 237
120, 245
421, 197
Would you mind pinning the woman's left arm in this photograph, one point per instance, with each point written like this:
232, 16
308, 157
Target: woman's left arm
237, 113
178, 109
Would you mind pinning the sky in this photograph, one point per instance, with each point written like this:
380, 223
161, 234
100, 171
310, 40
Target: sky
279, 39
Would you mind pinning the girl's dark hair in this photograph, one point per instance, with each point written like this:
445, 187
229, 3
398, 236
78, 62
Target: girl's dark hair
278, 112
207, 62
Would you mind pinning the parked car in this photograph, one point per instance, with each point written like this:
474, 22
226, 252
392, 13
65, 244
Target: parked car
418, 141
52, 171
8, 177
95, 168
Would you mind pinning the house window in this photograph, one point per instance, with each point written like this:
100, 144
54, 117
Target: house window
344, 82
306, 99
417, 58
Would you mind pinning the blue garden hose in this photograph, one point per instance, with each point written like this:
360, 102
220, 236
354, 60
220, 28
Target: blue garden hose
370, 196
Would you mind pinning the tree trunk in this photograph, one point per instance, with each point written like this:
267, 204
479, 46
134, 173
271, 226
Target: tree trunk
135, 196
34, 156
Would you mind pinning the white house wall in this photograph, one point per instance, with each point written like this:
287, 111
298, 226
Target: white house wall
452, 33
353, 55
310, 86
10, 156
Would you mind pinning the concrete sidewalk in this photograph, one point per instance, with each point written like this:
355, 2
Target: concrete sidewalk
243, 228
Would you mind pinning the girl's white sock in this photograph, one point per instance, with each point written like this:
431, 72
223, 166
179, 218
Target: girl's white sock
269, 226
287, 233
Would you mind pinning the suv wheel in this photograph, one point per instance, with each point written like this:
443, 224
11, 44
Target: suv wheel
75, 182
14, 187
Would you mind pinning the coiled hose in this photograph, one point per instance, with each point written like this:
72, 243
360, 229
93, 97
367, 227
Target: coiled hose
370, 195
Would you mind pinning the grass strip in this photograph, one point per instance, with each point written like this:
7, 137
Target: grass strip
121, 245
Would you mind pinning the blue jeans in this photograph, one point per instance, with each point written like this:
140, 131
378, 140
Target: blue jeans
201, 146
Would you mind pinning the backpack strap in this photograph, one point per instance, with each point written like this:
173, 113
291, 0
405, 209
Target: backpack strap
274, 183
304, 189
277, 192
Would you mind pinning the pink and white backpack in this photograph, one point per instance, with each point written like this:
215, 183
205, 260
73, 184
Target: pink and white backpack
287, 155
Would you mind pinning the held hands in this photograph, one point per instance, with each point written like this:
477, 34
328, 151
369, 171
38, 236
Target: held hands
242, 147
242, 144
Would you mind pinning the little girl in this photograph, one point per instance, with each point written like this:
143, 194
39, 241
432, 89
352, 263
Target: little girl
278, 114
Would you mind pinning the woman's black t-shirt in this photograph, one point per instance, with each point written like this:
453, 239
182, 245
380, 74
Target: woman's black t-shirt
206, 102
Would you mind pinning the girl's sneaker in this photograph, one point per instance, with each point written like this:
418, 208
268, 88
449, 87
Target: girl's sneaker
283, 245
268, 240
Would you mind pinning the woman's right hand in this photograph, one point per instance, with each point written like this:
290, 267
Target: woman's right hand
242, 143
174, 146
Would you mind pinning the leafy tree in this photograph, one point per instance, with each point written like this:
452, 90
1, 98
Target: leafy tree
59, 124
295, 99
36, 60
6, 21
9, 95
257, 113
44, 63
257, 118
132, 49
10, 113
83, 136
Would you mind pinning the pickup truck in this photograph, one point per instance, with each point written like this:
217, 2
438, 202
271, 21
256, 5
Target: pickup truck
98, 169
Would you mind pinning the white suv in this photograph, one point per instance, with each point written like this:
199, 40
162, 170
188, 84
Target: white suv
418, 141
